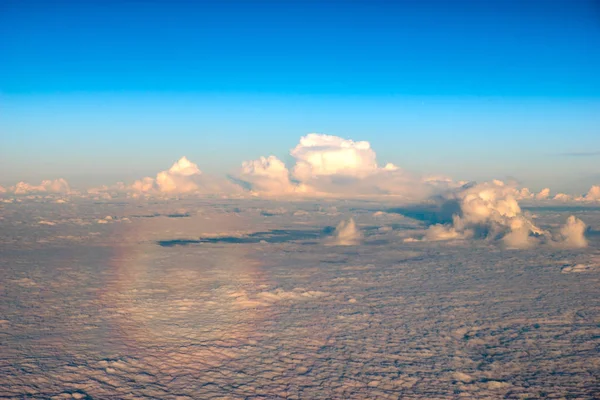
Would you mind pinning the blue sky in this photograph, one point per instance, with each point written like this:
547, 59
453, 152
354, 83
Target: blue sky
97, 91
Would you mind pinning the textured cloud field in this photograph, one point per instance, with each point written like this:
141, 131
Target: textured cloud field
465, 294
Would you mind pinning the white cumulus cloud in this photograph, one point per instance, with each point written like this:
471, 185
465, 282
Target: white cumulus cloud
325, 155
592, 195
490, 211
59, 186
268, 175
527, 194
329, 165
143, 185
180, 178
543, 194
572, 234
562, 197
346, 234
184, 177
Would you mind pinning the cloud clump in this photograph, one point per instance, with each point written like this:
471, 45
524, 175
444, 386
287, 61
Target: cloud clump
572, 234
592, 195
320, 155
490, 211
346, 234
268, 175
184, 177
180, 178
526, 194
330, 165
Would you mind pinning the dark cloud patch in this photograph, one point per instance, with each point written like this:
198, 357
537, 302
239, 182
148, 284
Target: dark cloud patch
430, 214
273, 236
174, 215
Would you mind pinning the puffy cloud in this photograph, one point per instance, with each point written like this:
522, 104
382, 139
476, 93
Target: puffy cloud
523, 194
268, 175
183, 167
490, 211
346, 234
143, 185
328, 165
47, 186
109, 192
439, 232
486, 210
543, 194
177, 179
325, 155
526, 194
184, 177
2, 189
562, 197
592, 195
572, 234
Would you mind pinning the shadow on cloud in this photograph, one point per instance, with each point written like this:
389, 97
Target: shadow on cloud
272, 236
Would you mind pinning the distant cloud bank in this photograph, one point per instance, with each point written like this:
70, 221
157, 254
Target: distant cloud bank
323, 166
331, 166
56, 186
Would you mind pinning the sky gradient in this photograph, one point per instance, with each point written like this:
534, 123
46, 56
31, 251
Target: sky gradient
98, 91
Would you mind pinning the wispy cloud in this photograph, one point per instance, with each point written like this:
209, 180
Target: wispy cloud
580, 154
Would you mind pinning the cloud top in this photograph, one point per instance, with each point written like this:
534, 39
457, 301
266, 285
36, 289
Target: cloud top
183, 177
184, 167
179, 179
325, 155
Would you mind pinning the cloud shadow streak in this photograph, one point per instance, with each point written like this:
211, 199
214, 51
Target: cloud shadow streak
273, 236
